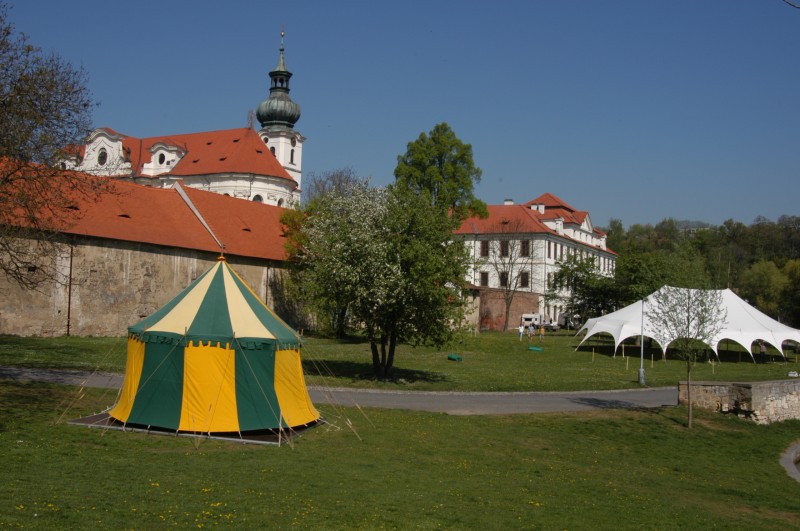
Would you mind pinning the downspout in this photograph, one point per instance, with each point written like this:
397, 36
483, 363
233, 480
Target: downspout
69, 287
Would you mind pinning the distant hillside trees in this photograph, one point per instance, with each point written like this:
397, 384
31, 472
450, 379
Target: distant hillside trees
759, 261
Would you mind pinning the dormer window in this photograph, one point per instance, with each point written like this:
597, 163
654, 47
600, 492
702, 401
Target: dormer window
102, 157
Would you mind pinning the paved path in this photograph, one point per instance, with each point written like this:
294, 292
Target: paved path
454, 403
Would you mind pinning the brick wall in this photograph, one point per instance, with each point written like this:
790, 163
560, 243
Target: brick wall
492, 310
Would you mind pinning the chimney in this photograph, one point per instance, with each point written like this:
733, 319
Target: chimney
508, 201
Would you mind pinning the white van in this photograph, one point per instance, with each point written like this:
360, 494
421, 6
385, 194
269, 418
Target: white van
536, 320
529, 319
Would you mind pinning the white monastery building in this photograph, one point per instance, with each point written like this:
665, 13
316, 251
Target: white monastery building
519, 247
263, 166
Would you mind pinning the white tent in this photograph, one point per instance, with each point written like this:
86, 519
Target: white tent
743, 325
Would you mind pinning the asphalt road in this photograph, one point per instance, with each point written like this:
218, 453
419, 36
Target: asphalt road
453, 403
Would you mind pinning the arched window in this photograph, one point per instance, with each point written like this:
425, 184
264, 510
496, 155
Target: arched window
161, 158
258, 199
291, 157
280, 202
272, 149
102, 157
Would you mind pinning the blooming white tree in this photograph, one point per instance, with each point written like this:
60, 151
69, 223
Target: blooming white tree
385, 255
694, 317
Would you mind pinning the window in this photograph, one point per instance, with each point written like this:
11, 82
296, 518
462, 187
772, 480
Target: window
504, 279
102, 157
258, 199
524, 279
548, 249
484, 279
272, 149
485, 248
525, 248
161, 158
280, 202
291, 157
504, 248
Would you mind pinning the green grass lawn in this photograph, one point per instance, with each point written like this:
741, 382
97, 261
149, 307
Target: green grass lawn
491, 361
396, 470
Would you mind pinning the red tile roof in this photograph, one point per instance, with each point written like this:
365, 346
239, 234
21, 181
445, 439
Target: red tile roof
514, 219
555, 207
158, 216
213, 152
505, 219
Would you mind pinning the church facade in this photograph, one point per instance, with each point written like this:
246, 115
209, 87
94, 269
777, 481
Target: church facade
264, 166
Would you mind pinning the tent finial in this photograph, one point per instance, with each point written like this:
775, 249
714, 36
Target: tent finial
221, 257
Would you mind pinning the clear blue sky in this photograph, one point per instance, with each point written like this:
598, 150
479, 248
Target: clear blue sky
632, 109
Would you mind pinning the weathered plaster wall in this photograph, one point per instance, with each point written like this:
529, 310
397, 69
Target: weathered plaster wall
763, 402
106, 286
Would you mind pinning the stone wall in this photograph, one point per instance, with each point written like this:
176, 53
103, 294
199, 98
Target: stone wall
763, 402
104, 286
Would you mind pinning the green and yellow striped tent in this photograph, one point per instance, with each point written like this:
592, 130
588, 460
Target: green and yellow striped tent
214, 359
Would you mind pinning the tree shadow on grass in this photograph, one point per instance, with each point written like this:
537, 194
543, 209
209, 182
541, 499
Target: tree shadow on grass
360, 371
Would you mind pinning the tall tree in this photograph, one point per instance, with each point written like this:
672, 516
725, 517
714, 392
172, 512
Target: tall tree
580, 287
763, 285
390, 257
693, 317
440, 164
790, 309
46, 108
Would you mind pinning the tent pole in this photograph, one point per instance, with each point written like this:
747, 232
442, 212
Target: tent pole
641, 350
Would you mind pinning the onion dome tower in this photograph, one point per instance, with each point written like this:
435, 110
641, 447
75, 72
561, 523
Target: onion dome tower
277, 115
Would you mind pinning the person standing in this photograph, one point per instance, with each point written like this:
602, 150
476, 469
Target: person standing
521, 331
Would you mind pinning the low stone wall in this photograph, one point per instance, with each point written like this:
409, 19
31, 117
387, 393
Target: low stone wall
762, 402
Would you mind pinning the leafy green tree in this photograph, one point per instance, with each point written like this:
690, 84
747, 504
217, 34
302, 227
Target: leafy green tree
790, 308
693, 317
762, 285
387, 255
582, 290
441, 165
46, 107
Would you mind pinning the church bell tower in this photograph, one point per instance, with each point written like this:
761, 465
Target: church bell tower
277, 115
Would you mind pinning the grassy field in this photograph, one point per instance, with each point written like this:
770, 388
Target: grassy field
382, 469
396, 470
490, 362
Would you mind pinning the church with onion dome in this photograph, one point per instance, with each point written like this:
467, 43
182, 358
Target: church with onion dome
264, 166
